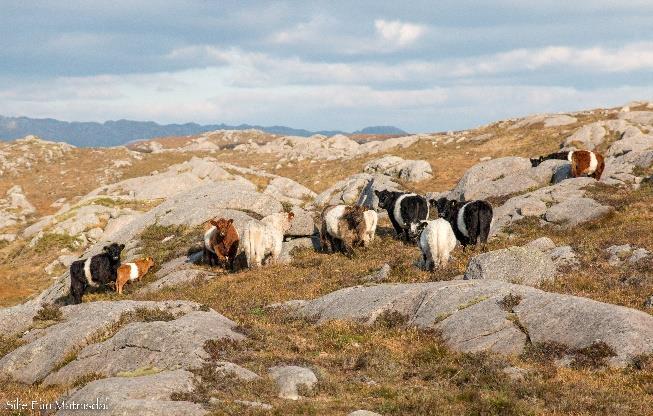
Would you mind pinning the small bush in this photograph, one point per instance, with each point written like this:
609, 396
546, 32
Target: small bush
48, 312
593, 356
391, 319
545, 352
509, 302
146, 315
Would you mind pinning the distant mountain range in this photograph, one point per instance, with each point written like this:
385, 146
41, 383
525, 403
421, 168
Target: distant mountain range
114, 133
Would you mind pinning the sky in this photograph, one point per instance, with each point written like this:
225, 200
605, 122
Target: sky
422, 66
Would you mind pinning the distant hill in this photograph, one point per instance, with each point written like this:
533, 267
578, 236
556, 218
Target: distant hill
381, 130
114, 133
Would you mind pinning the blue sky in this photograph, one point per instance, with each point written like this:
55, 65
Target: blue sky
419, 65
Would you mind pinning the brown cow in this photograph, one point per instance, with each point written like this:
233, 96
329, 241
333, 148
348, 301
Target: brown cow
588, 163
128, 272
221, 243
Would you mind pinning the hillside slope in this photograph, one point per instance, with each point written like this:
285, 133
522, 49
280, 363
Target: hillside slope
554, 319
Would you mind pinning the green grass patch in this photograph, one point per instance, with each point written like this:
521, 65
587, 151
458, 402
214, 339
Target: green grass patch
164, 243
56, 241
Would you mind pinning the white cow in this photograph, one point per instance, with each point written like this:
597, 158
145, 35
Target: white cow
436, 241
262, 241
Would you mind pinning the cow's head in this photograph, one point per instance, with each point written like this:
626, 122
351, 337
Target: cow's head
113, 250
446, 207
222, 226
386, 198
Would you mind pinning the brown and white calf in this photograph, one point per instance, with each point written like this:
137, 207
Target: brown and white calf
221, 242
128, 272
588, 163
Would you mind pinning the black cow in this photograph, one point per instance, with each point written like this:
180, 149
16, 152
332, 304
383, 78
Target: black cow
557, 156
94, 271
470, 221
405, 211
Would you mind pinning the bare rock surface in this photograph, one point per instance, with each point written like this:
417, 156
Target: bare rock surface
588, 136
496, 177
396, 167
575, 211
521, 265
149, 395
470, 316
290, 377
47, 348
368, 198
351, 189
302, 224
547, 120
163, 345
287, 190
177, 178
563, 204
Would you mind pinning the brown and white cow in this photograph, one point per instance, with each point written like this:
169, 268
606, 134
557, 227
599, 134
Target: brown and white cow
584, 162
128, 272
221, 243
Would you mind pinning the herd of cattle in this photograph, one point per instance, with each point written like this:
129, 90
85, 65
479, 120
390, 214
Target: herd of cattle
343, 228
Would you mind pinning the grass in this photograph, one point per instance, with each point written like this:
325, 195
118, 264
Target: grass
54, 241
389, 367
182, 239
8, 344
123, 203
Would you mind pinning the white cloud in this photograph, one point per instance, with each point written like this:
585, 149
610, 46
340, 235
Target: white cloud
233, 86
399, 33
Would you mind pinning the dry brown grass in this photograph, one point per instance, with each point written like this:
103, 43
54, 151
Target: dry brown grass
390, 368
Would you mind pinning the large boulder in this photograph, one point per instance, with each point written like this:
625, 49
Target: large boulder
587, 137
548, 120
290, 378
150, 395
164, 345
575, 211
495, 177
379, 183
539, 202
176, 179
396, 167
634, 143
358, 188
46, 349
638, 117
478, 315
302, 224
287, 190
522, 265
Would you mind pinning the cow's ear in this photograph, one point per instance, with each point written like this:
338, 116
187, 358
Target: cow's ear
106, 248
377, 193
291, 215
213, 223
122, 247
230, 221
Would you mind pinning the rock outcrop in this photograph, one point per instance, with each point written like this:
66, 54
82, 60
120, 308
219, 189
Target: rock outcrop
474, 315
521, 265
396, 167
149, 395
